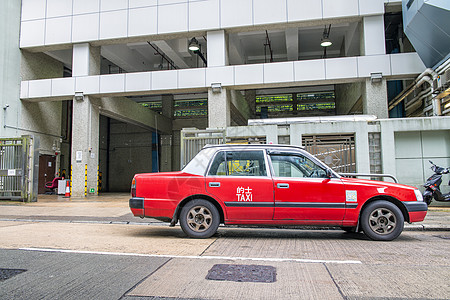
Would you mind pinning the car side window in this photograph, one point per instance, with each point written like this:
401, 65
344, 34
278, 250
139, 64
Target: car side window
238, 163
296, 166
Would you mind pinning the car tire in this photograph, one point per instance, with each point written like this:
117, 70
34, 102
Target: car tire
199, 219
382, 221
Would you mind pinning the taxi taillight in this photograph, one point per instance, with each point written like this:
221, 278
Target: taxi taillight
133, 187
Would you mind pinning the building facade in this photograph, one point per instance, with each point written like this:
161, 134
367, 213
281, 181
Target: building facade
108, 85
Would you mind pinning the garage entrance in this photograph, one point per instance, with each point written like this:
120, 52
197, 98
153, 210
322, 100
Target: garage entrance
124, 150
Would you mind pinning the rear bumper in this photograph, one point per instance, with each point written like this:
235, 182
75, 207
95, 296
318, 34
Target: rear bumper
137, 202
137, 206
416, 210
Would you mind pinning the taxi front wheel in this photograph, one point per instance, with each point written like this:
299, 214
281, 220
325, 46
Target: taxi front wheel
382, 221
199, 219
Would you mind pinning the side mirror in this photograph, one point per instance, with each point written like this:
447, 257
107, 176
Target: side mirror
329, 173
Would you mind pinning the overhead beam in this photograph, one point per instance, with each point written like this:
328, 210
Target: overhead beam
124, 57
64, 56
171, 53
128, 111
144, 49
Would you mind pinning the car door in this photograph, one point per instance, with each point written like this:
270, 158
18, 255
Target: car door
239, 179
303, 190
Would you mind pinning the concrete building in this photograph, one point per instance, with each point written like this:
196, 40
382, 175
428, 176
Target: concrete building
108, 85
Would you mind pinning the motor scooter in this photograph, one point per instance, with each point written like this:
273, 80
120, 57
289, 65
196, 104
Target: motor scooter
432, 186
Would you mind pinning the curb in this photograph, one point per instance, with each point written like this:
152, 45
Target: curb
427, 227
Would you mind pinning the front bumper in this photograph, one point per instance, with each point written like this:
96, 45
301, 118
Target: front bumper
417, 210
415, 206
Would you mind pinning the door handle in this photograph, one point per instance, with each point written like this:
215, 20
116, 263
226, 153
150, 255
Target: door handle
214, 184
283, 185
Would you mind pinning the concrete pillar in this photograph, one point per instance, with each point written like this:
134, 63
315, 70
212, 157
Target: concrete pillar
85, 143
374, 95
166, 153
372, 36
271, 134
166, 139
167, 106
219, 108
374, 98
85, 124
291, 35
362, 148
85, 60
388, 147
218, 101
217, 48
295, 132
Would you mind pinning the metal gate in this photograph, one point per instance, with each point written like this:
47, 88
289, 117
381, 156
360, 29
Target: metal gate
193, 140
18, 161
337, 151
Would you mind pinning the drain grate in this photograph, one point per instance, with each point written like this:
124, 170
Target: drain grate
242, 273
8, 273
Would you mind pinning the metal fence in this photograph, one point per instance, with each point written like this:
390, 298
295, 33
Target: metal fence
18, 163
337, 151
193, 140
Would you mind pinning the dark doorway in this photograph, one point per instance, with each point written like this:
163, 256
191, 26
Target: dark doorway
46, 171
124, 150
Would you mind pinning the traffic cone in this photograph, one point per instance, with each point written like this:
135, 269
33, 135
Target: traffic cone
67, 194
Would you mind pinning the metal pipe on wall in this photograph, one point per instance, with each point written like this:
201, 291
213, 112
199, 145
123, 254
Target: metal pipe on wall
426, 76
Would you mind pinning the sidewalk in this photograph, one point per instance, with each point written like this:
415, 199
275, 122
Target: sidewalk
112, 208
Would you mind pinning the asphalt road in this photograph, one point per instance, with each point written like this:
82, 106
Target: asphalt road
123, 261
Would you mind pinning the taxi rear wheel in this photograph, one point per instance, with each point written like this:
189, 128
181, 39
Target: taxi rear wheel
382, 221
199, 219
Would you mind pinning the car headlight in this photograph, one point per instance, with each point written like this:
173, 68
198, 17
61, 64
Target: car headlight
419, 196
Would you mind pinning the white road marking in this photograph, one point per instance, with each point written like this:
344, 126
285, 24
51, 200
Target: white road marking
271, 259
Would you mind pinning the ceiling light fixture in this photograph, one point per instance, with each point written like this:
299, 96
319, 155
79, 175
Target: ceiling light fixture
193, 45
325, 41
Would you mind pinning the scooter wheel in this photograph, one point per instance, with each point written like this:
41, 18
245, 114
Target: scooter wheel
427, 200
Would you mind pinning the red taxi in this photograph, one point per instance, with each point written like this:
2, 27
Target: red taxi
272, 185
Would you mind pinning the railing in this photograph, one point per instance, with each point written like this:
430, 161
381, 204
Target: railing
369, 175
